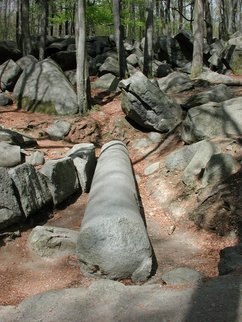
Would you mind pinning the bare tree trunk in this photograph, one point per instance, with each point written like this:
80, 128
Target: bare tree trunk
197, 59
180, 9
119, 36
83, 89
148, 50
25, 32
209, 22
43, 27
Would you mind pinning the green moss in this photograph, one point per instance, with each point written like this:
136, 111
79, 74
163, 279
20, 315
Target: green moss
34, 106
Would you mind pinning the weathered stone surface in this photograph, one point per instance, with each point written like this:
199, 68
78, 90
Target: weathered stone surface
132, 59
216, 78
43, 87
35, 158
53, 242
181, 276
113, 240
218, 94
9, 74
15, 138
84, 159
230, 259
10, 155
31, 187
219, 167
58, 130
108, 82
10, 212
212, 120
151, 168
147, 105
25, 61
62, 178
175, 82
5, 99
110, 65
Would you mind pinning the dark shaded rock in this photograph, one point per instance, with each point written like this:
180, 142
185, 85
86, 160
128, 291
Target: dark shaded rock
5, 99
147, 105
9, 50
163, 70
9, 74
65, 59
230, 259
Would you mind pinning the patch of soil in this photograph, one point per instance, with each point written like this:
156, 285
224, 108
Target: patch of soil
175, 242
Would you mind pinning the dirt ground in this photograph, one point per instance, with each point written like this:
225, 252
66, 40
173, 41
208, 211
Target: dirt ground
176, 242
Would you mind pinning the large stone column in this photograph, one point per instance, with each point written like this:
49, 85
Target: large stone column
113, 239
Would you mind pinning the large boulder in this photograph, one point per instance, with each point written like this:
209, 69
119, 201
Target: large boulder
25, 61
144, 103
31, 187
212, 120
65, 59
10, 212
110, 65
9, 74
175, 82
10, 155
230, 259
43, 87
62, 178
9, 50
218, 93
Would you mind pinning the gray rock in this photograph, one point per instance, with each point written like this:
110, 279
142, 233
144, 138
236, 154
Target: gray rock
25, 61
212, 120
71, 76
58, 130
147, 105
132, 60
110, 65
52, 242
31, 187
10, 212
151, 168
9, 74
10, 155
180, 159
182, 275
218, 168
15, 138
163, 70
216, 78
108, 82
113, 240
5, 99
230, 259
43, 87
35, 158
155, 137
219, 93
84, 159
199, 161
62, 178
175, 82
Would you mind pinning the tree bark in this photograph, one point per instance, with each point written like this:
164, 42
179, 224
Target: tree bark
148, 50
43, 27
83, 88
25, 32
119, 36
197, 60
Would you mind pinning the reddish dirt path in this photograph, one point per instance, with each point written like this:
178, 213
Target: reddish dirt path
23, 273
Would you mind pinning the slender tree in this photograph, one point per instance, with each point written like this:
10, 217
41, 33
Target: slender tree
119, 37
148, 50
25, 32
83, 88
43, 4
198, 20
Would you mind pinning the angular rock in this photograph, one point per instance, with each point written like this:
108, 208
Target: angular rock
31, 187
36, 158
9, 74
218, 94
163, 70
25, 61
113, 240
147, 105
52, 242
43, 87
5, 99
219, 167
58, 130
15, 138
216, 78
10, 155
132, 60
213, 119
230, 259
84, 159
110, 65
10, 212
175, 82
62, 178
108, 82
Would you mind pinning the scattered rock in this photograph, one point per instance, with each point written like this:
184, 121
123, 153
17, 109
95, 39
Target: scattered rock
108, 82
181, 276
52, 242
230, 259
58, 130
10, 155
110, 65
175, 82
5, 99
9, 74
151, 168
35, 158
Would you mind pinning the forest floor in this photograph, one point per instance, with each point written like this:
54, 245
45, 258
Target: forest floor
176, 241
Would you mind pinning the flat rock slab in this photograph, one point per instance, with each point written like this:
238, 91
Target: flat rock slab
216, 300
